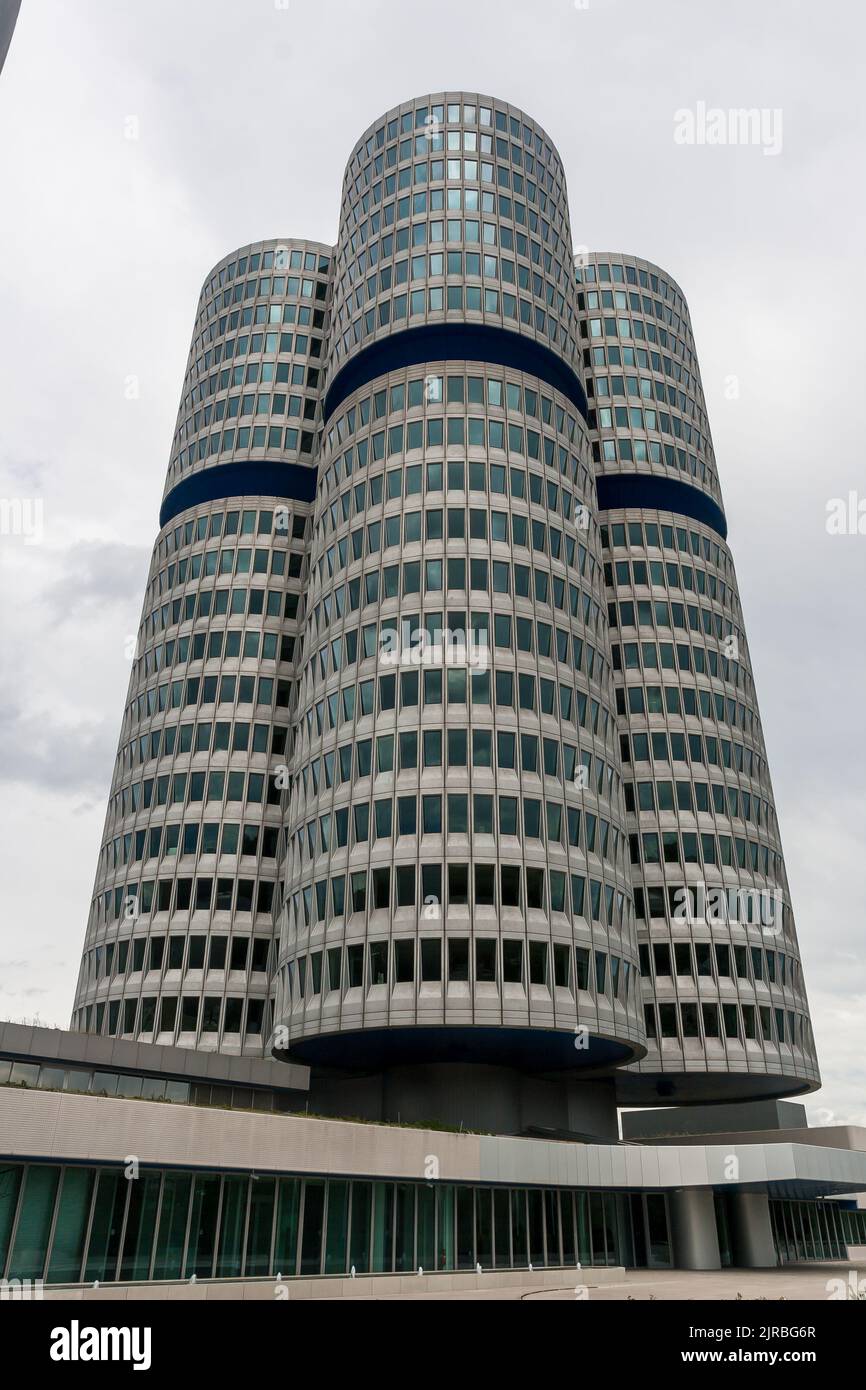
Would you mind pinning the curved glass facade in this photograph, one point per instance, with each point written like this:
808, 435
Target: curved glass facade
73, 1223
179, 938
456, 861
724, 1000
454, 210
441, 742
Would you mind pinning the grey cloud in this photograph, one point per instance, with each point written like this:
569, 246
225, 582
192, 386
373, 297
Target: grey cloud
58, 758
97, 573
26, 475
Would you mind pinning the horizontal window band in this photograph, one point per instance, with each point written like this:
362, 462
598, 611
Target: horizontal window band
455, 342
616, 491
293, 482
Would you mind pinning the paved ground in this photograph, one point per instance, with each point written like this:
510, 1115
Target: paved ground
795, 1283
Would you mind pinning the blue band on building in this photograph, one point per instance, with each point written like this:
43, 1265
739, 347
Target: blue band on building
617, 491
295, 482
455, 342
539, 1049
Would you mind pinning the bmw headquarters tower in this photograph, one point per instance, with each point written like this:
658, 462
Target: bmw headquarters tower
441, 795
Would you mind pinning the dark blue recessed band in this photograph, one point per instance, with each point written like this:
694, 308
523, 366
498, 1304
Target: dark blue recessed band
292, 481
455, 342
534, 1049
619, 490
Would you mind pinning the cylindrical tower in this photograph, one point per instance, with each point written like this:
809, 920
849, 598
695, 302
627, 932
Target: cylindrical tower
441, 676
723, 994
456, 880
179, 938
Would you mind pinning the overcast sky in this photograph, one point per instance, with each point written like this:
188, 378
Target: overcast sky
245, 112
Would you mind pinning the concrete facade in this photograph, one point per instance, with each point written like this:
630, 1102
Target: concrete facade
753, 1234
101, 1130
712, 1119
693, 1229
106, 1177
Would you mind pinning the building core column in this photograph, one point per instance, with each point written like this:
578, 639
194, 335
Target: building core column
694, 1235
752, 1233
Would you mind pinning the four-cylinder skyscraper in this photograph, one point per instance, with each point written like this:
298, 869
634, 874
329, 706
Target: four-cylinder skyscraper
441, 768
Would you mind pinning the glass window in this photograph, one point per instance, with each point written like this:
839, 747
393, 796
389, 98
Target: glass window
203, 1225
107, 1222
261, 1220
34, 1222
141, 1221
